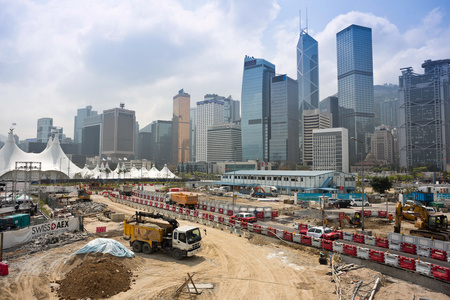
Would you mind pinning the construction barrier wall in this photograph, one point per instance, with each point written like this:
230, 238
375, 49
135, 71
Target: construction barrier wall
407, 244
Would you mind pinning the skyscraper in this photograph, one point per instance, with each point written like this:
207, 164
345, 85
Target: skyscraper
118, 132
209, 112
181, 127
231, 113
224, 143
382, 145
193, 133
284, 120
424, 111
161, 142
82, 113
91, 139
307, 76
45, 130
330, 151
312, 119
355, 86
255, 100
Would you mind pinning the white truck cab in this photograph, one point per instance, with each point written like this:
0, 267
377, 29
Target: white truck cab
186, 241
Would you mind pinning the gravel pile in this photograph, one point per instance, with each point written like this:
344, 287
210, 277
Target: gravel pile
88, 207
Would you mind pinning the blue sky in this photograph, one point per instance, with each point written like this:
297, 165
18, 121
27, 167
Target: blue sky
58, 56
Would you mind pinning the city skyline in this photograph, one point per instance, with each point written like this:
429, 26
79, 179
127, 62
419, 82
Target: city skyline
140, 54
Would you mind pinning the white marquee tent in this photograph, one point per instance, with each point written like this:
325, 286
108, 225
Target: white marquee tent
54, 164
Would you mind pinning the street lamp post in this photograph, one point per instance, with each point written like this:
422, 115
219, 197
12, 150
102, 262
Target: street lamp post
234, 178
362, 181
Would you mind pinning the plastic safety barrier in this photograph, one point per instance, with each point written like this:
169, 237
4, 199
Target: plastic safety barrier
358, 238
391, 259
220, 210
407, 263
272, 231
440, 272
316, 242
230, 212
377, 256
350, 250
362, 252
260, 215
395, 245
297, 238
211, 217
257, 228
383, 243
196, 213
288, 236
438, 254
4, 269
382, 213
370, 240
221, 220
244, 225
327, 245
306, 240
341, 234
423, 267
347, 236
408, 248
274, 214
338, 247
264, 230
212, 209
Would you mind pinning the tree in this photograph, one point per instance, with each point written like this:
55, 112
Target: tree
381, 184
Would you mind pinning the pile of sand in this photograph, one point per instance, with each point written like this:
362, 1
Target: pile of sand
96, 277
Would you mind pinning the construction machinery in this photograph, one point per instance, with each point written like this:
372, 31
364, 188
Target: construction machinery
355, 220
188, 200
149, 236
428, 225
264, 191
126, 190
83, 194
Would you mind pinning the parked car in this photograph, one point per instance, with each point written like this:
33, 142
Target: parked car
325, 233
342, 203
359, 202
246, 217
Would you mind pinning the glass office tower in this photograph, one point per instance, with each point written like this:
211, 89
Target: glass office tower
255, 101
284, 119
307, 77
355, 87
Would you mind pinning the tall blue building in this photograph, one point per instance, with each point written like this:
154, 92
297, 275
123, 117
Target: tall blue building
283, 144
255, 101
355, 87
307, 76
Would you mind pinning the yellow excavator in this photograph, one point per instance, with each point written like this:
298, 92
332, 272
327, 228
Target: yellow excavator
428, 225
83, 194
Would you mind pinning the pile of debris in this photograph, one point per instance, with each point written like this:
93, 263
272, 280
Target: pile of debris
96, 277
87, 208
53, 240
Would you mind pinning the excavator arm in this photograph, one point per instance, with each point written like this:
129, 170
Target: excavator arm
171, 221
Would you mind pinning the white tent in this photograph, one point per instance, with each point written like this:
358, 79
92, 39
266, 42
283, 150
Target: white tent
53, 161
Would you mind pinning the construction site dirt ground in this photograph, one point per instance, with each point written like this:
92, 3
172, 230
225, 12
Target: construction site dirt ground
246, 267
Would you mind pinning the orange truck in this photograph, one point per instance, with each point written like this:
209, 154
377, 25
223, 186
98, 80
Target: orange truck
188, 200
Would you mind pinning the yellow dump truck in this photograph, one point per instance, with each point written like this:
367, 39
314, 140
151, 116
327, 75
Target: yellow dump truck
148, 235
188, 200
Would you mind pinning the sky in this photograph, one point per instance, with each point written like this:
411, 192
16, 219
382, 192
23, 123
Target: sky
59, 56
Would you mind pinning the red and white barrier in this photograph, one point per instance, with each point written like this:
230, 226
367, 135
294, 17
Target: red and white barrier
440, 272
316, 242
423, 267
338, 247
391, 259
347, 236
377, 256
407, 263
350, 250
362, 252
370, 240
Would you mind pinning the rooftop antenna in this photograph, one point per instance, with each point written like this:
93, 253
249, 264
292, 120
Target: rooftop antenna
306, 20
122, 105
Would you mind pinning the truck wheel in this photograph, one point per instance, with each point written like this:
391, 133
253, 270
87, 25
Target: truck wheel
177, 254
137, 246
147, 249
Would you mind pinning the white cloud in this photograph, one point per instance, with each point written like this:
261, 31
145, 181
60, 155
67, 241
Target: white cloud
57, 56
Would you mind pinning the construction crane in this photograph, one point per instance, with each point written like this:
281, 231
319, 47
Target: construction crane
428, 225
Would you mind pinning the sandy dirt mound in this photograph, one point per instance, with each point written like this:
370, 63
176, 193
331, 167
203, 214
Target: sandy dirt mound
96, 277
